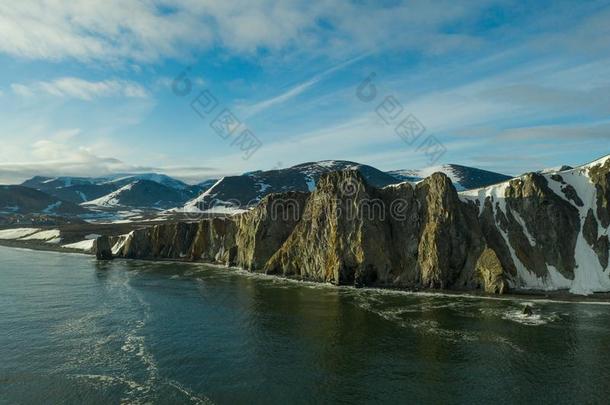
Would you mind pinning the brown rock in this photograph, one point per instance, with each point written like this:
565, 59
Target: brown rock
491, 273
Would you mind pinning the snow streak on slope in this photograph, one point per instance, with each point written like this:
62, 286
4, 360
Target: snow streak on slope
110, 200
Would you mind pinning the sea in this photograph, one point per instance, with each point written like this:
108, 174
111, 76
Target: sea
77, 331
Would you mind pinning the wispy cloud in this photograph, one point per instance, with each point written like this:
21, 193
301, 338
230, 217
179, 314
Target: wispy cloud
575, 132
73, 87
296, 90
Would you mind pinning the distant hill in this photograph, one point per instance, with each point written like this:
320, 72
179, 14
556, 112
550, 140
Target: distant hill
88, 189
249, 188
154, 192
463, 177
142, 194
25, 200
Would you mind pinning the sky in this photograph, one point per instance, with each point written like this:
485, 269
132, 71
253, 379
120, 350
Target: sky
199, 89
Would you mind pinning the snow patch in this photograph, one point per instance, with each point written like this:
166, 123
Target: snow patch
17, 233
85, 245
50, 236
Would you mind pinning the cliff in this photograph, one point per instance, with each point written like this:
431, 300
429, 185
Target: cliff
539, 231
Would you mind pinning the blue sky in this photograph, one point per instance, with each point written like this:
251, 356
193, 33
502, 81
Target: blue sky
511, 86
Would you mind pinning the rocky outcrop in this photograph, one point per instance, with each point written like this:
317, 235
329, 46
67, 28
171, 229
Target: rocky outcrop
261, 232
102, 248
165, 241
340, 238
451, 239
542, 226
215, 242
529, 232
490, 272
493, 228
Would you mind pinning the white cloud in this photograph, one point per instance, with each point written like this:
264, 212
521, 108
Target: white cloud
58, 156
111, 30
73, 87
143, 31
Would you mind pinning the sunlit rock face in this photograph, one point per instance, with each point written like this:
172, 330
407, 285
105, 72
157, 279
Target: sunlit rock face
398, 236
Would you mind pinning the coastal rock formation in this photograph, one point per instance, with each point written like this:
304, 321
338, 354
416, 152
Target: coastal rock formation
539, 231
345, 232
215, 242
399, 236
550, 230
335, 241
451, 239
542, 226
491, 273
102, 248
261, 232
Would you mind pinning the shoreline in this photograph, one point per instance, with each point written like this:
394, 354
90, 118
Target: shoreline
556, 296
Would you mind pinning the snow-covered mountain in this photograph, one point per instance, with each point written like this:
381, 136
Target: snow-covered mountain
249, 188
102, 191
463, 177
123, 179
142, 194
550, 229
24, 200
157, 191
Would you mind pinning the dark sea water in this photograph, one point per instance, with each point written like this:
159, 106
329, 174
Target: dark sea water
76, 331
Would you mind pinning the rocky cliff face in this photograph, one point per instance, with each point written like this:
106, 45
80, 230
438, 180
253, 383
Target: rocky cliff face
406, 236
540, 231
258, 233
549, 230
